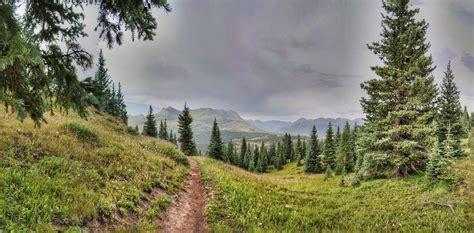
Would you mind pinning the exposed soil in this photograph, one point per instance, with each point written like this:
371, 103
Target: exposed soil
186, 213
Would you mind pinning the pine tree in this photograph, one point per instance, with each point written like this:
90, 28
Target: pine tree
121, 106
185, 132
342, 183
163, 132
243, 151
466, 122
215, 144
299, 150
344, 153
329, 158
247, 159
313, 161
278, 161
262, 159
287, 147
149, 129
399, 107
253, 159
439, 167
337, 137
450, 112
229, 158
328, 174
101, 83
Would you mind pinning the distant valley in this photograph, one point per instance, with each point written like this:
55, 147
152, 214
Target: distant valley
233, 126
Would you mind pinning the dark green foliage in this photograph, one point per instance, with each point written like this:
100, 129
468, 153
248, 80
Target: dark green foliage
329, 159
299, 151
122, 108
439, 167
313, 161
230, 154
215, 145
400, 105
345, 158
149, 129
278, 162
342, 183
466, 122
41, 51
243, 151
287, 148
450, 113
329, 173
185, 131
163, 132
272, 154
262, 160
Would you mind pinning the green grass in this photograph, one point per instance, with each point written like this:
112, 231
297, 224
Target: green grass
291, 201
73, 174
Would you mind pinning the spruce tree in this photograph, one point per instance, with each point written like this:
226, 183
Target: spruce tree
299, 150
229, 158
344, 153
450, 112
149, 129
247, 159
186, 142
287, 147
262, 159
313, 161
272, 153
399, 107
278, 161
439, 167
215, 144
163, 132
102, 83
243, 151
122, 107
329, 159
466, 122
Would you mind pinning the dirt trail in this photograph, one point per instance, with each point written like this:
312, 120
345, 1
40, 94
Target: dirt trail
186, 213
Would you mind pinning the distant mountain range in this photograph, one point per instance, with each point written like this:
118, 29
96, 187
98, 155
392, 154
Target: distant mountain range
231, 125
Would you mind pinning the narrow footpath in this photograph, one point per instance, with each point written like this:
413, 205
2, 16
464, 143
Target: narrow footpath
187, 212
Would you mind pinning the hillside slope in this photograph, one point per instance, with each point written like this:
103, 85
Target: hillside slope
73, 174
291, 201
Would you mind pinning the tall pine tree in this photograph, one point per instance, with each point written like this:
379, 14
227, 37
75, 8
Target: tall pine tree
215, 145
450, 113
186, 141
329, 158
313, 161
149, 129
400, 106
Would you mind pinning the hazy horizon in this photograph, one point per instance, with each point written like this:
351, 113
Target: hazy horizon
273, 60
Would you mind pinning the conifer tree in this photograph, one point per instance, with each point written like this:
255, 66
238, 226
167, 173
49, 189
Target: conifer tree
329, 159
439, 167
328, 174
262, 159
163, 132
243, 151
101, 83
121, 106
299, 150
247, 159
344, 153
253, 159
185, 132
277, 162
466, 122
149, 129
136, 128
215, 144
287, 147
313, 161
399, 107
337, 137
450, 112
229, 158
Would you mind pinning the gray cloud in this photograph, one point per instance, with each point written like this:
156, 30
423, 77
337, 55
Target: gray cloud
267, 59
468, 61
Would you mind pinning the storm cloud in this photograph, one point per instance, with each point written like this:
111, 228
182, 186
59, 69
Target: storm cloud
270, 59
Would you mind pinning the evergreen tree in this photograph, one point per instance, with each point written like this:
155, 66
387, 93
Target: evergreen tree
230, 153
439, 167
121, 106
450, 112
185, 132
313, 161
111, 102
253, 159
272, 153
299, 150
287, 147
399, 107
278, 161
262, 159
163, 132
101, 83
337, 137
136, 129
215, 144
344, 153
247, 159
328, 174
149, 129
170, 136
466, 122
342, 183
329, 159
243, 151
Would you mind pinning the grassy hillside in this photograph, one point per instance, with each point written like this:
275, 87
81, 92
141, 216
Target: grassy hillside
75, 174
289, 200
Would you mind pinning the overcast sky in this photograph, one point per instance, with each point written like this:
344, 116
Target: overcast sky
274, 59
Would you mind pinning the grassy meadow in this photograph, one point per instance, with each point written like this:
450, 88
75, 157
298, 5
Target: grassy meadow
74, 174
291, 201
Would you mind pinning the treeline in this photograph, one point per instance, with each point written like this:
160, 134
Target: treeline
150, 128
102, 94
335, 153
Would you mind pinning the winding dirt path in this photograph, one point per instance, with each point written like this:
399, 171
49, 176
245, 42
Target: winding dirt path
186, 214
